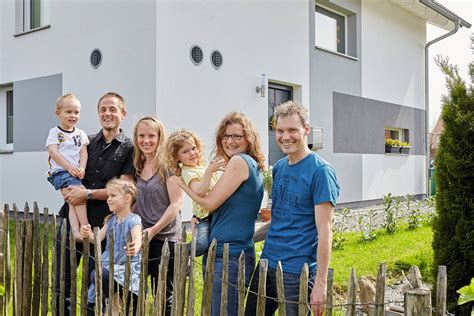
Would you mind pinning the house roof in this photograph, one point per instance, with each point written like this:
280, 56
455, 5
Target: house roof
433, 12
439, 126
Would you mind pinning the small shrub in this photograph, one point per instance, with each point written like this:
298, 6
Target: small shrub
338, 239
414, 216
366, 226
390, 216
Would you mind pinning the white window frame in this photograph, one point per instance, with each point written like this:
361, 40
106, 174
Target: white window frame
4, 147
401, 132
23, 16
345, 29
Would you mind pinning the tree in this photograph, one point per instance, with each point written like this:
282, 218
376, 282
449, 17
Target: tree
453, 226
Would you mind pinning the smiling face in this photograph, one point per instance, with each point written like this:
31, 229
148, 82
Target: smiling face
189, 154
147, 139
230, 142
68, 114
291, 135
111, 113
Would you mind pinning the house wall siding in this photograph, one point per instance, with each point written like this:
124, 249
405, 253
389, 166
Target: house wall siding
359, 124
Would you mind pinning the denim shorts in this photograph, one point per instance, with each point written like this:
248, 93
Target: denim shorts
63, 179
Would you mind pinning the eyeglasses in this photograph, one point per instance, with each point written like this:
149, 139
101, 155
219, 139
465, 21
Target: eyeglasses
233, 136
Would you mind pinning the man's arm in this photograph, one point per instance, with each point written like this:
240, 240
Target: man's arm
323, 214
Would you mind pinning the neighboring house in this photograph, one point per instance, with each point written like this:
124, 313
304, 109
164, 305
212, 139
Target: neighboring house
434, 137
357, 64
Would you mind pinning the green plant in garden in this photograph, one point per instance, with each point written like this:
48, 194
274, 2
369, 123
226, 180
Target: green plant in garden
453, 226
414, 216
390, 224
366, 226
338, 230
408, 199
268, 181
466, 294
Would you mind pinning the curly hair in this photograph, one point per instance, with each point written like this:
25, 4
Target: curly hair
175, 142
254, 150
139, 157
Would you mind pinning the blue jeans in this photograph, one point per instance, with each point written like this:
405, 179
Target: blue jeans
291, 284
202, 237
232, 293
63, 179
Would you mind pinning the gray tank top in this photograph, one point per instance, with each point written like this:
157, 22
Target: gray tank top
152, 202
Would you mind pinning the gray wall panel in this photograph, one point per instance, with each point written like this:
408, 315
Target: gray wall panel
34, 102
359, 124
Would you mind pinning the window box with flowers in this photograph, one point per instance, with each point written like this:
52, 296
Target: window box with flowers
395, 146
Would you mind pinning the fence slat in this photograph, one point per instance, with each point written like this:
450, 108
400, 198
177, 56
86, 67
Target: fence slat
26, 211
37, 259
18, 299
85, 275
303, 294
98, 271
111, 241
380, 290
182, 270
225, 279
207, 289
8, 268
62, 267
352, 293
241, 284
28, 267
143, 274
45, 264
160, 286
15, 212
262, 286
418, 302
2, 260
191, 284
54, 294
176, 278
73, 267
126, 282
441, 284
330, 292
280, 290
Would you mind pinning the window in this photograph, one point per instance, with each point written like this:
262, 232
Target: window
6, 118
400, 134
31, 15
330, 30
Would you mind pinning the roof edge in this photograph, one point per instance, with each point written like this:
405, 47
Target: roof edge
450, 15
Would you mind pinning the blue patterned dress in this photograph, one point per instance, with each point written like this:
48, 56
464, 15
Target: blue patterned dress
121, 231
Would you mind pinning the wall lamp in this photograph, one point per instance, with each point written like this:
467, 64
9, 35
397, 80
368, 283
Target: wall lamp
263, 86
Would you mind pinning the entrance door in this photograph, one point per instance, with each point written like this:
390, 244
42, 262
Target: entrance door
277, 94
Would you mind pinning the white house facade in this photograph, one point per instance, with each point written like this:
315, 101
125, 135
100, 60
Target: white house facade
357, 64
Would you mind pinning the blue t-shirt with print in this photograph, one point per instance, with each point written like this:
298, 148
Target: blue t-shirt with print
292, 237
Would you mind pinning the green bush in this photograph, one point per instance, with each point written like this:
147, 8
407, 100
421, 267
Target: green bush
453, 225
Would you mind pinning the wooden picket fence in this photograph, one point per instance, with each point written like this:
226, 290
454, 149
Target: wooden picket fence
27, 288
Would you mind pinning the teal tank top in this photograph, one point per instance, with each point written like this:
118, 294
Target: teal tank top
234, 221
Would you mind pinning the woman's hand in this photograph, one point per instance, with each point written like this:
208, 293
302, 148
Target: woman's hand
217, 164
151, 233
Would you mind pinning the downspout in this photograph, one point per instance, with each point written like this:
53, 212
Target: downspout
427, 101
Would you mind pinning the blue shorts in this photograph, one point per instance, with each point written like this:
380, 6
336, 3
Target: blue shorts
63, 179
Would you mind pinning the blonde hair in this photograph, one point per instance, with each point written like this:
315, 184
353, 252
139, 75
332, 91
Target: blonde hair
175, 142
292, 107
67, 97
124, 186
250, 133
139, 158
121, 100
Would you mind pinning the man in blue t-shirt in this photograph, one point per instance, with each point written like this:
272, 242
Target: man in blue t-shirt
304, 195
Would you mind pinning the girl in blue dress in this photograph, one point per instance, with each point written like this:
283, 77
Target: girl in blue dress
122, 195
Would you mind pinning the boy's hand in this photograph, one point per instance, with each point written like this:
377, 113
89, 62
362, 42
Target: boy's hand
74, 171
218, 164
86, 231
81, 174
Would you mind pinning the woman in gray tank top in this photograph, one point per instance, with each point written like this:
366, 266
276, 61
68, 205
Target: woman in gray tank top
159, 198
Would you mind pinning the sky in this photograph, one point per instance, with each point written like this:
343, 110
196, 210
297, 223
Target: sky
455, 46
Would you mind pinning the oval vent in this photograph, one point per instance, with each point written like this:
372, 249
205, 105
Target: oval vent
196, 55
216, 59
96, 58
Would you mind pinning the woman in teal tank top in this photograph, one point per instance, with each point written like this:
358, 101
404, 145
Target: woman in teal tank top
234, 201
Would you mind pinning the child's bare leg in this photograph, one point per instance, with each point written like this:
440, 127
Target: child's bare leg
74, 222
